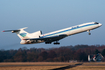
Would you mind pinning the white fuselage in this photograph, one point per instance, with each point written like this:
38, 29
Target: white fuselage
74, 29
67, 31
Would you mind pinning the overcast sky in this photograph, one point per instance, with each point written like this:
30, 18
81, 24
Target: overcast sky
48, 16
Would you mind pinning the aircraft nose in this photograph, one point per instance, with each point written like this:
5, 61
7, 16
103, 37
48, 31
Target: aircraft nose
100, 24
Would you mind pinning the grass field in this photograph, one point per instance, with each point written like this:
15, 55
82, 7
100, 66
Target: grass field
52, 66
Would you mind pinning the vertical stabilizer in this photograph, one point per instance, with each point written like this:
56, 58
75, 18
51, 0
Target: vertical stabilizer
22, 33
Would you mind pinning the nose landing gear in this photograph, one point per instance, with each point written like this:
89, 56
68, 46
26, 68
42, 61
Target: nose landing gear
89, 32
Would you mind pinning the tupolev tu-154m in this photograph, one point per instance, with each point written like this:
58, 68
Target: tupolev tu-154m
55, 36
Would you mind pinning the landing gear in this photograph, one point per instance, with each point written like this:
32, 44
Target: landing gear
89, 32
56, 43
47, 42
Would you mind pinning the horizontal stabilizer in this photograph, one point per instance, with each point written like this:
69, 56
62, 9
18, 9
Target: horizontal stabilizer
11, 31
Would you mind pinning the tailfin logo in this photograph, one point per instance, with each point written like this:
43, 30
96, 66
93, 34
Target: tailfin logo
23, 34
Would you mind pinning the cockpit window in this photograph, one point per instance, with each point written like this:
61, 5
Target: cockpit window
96, 23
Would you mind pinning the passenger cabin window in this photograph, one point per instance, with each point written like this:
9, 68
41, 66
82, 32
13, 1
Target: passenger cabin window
96, 23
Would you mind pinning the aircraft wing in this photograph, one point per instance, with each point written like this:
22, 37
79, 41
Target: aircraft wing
49, 39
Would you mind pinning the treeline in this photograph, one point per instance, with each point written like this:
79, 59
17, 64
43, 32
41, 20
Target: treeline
61, 54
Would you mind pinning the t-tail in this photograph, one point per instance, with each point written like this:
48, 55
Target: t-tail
22, 34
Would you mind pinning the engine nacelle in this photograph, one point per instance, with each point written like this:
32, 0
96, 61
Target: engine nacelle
36, 34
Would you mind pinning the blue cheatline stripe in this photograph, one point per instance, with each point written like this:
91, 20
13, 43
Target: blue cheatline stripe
69, 30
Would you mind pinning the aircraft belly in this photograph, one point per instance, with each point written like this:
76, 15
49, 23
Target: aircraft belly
31, 42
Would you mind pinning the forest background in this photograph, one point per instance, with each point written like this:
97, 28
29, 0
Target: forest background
61, 54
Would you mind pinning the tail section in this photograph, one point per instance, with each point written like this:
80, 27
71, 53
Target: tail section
20, 32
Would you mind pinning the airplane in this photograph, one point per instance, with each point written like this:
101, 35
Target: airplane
55, 36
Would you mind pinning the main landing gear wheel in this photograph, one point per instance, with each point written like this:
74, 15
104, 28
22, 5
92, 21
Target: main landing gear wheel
47, 42
56, 43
